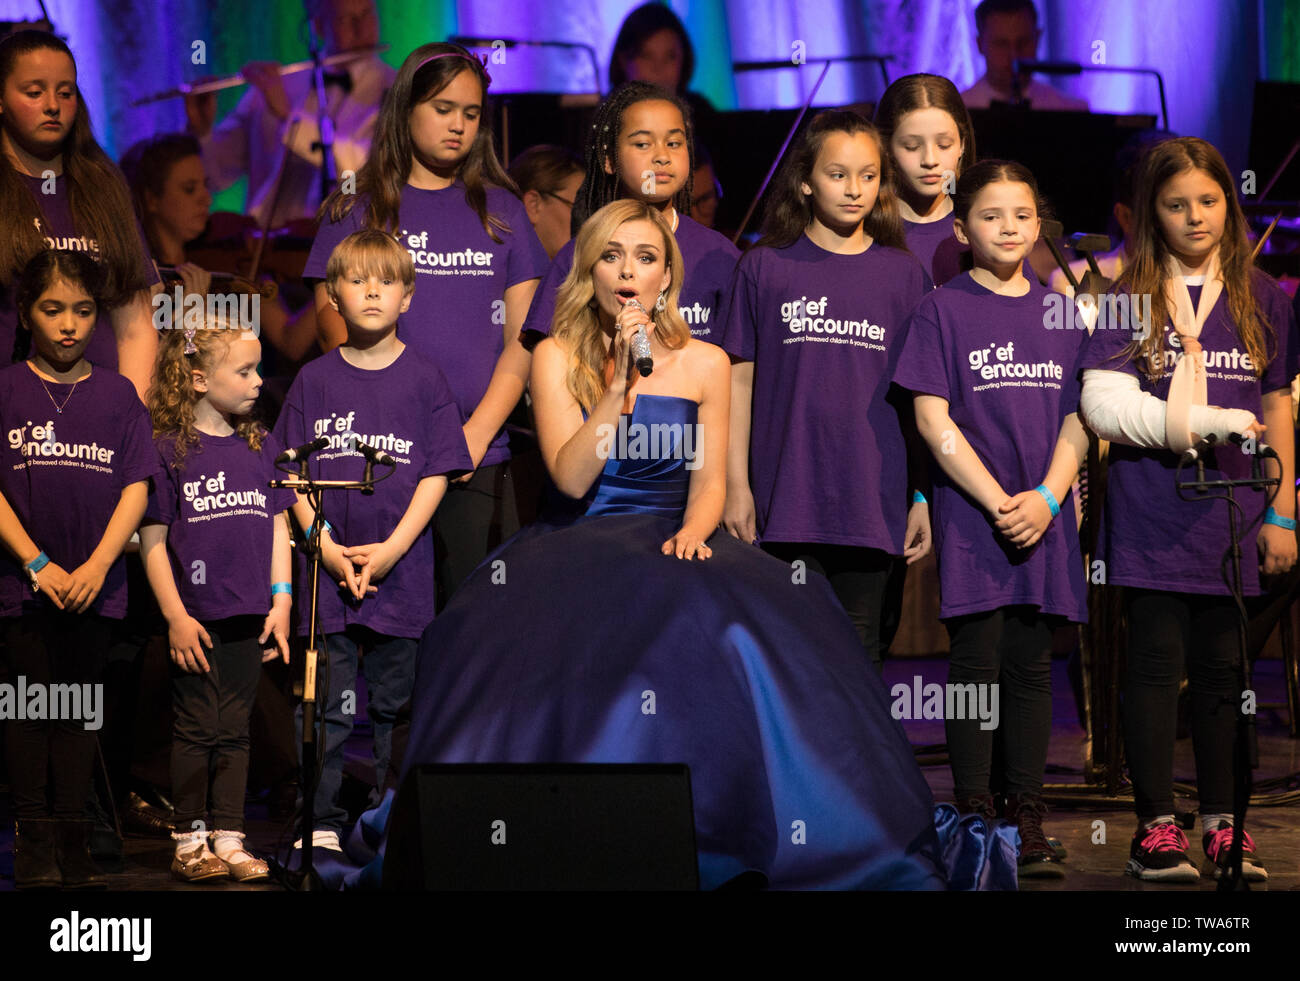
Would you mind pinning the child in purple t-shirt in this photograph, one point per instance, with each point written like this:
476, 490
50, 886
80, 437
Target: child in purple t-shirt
214, 541
642, 146
74, 472
1215, 356
63, 192
433, 180
817, 464
928, 134
378, 548
996, 401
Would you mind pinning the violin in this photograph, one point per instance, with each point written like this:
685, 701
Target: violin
235, 248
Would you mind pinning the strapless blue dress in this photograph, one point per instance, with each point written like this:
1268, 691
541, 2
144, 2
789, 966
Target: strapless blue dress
760, 685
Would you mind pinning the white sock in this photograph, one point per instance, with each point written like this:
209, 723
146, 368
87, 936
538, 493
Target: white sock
227, 844
1210, 822
1158, 819
189, 840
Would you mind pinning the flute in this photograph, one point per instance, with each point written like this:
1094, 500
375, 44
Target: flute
229, 82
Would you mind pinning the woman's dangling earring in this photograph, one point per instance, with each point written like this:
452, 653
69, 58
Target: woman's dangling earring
661, 302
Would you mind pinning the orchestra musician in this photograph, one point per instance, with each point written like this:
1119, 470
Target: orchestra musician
277, 119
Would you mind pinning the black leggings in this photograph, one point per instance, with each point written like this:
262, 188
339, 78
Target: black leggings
210, 738
1010, 647
863, 580
51, 761
1164, 631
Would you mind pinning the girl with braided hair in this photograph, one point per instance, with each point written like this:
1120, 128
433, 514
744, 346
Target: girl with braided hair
641, 146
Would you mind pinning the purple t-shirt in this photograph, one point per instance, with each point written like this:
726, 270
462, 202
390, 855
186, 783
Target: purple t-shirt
64, 473
219, 509
937, 248
408, 411
60, 233
827, 460
1150, 537
710, 261
458, 313
1009, 384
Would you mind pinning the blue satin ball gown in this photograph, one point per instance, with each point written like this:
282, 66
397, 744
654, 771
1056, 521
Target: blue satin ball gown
759, 683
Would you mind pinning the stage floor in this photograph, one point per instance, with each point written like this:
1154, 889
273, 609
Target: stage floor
1276, 829
1090, 866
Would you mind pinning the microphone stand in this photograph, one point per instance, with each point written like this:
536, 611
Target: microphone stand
316, 663
324, 124
1086, 245
1017, 89
473, 41
1030, 65
1242, 779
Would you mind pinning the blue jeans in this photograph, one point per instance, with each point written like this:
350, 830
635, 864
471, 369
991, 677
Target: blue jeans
389, 665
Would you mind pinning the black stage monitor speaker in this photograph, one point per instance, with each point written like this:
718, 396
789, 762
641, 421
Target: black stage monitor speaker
506, 826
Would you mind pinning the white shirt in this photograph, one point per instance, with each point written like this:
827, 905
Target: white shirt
251, 141
1040, 96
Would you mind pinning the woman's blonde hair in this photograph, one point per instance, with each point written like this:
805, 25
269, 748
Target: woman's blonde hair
172, 395
577, 326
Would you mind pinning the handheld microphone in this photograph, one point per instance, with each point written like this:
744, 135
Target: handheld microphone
1197, 452
374, 455
641, 353
641, 345
304, 451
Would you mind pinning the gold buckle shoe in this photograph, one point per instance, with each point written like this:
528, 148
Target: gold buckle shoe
247, 868
198, 864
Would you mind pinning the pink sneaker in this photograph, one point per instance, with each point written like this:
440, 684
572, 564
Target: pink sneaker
1159, 854
1218, 851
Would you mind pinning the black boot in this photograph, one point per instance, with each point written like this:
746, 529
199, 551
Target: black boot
35, 865
1038, 859
79, 869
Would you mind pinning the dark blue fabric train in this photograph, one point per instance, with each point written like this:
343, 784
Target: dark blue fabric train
560, 643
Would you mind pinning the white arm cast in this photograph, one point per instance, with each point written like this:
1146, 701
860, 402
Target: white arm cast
1115, 408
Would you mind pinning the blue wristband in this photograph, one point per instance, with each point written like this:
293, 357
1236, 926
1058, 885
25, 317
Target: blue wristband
918, 498
42, 560
281, 587
328, 527
1051, 501
1271, 517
